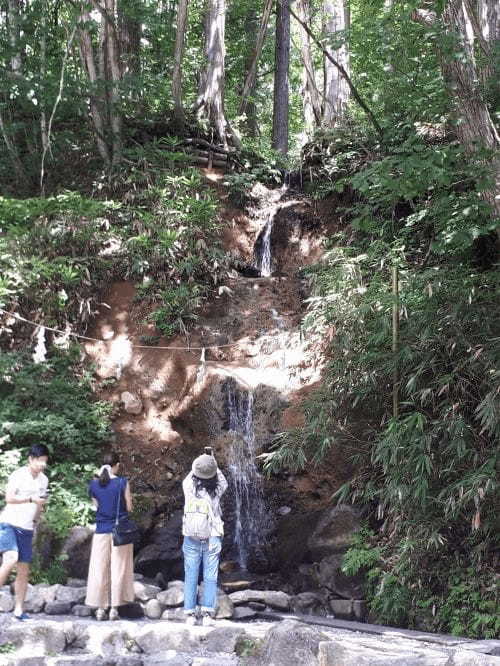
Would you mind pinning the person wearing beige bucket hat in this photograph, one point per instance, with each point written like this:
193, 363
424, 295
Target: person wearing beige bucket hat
203, 530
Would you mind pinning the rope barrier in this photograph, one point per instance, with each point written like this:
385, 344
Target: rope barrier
85, 337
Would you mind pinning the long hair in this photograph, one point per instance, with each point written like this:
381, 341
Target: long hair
109, 459
210, 485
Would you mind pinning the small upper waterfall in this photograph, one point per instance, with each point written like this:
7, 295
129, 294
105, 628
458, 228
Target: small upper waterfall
263, 248
246, 483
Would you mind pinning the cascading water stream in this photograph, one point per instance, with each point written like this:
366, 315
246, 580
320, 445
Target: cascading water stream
263, 248
249, 507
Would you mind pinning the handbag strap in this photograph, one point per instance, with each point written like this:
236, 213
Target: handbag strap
118, 505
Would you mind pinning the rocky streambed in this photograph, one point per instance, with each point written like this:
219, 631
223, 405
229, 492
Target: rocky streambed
152, 632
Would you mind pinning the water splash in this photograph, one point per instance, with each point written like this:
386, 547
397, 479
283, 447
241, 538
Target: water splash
246, 483
263, 259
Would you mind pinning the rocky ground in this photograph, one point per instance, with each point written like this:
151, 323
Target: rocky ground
253, 628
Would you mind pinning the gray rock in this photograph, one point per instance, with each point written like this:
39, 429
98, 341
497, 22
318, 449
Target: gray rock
153, 609
471, 658
174, 615
328, 575
71, 595
291, 642
345, 609
131, 403
377, 653
244, 613
334, 531
36, 639
257, 606
80, 610
172, 596
76, 548
76, 582
145, 592
224, 639
274, 599
58, 608
36, 597
175, 583
169, 658
219, 660
167, 636
6, 601
132, 611
308, 603
487, 646
225, 607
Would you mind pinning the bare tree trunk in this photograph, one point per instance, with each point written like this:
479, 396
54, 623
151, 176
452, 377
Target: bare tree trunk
462, 74
312, 97
336, 90
12, 151
130, 30
43, 73
281, 92
14, 27
182, 12
113, 58
259, 43
210, 102
97, 111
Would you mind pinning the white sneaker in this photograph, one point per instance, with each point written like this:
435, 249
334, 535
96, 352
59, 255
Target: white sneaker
208, 620
191, 620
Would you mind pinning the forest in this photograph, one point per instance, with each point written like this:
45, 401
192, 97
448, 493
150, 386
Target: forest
386, 111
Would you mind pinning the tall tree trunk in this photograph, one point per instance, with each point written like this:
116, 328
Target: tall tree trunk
113, 58
312, 98
463, 74
282, 63
97, 110
249, 84
182, 13
130, 30
336, 90
210, 103
14, 27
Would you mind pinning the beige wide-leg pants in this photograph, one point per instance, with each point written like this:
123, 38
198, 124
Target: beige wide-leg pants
111, 573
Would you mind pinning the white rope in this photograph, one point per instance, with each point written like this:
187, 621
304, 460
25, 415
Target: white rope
85, 337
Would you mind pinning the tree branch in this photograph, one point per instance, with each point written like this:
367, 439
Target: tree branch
344, 74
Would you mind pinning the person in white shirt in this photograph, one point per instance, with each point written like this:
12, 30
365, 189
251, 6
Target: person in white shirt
25, 499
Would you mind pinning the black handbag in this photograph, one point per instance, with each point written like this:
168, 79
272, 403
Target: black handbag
125, 530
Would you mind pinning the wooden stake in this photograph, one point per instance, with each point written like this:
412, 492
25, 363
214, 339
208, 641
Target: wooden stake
395, 341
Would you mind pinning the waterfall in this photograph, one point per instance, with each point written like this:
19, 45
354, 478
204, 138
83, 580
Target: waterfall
246, 483
263, 248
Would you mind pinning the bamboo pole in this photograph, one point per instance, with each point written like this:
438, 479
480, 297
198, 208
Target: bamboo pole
395, 341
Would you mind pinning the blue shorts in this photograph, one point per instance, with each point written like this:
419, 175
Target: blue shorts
15, 538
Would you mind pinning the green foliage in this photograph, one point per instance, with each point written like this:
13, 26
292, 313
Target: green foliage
179, 304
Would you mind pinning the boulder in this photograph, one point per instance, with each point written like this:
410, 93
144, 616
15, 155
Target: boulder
172, 596
366, 652
58, 608
244, 613
349, 609
328, 574
76, 582
132, 404
470, 658
156, 638
309, 603
291, 642
35, 639
225, 607
6, 600
76, 552
173, 615
153, 609
71, 595
163, 554
145, 592
333, 532
274, 599
224, 639
80, 610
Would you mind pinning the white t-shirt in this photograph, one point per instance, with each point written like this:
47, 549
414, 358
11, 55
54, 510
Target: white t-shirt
23, 485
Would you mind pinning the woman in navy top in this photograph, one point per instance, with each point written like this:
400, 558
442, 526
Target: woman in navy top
111, 571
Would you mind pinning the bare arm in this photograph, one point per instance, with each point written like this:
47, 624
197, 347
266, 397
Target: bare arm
128, 498
222, 483
10, 498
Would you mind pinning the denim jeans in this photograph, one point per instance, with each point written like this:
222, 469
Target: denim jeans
197, 552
